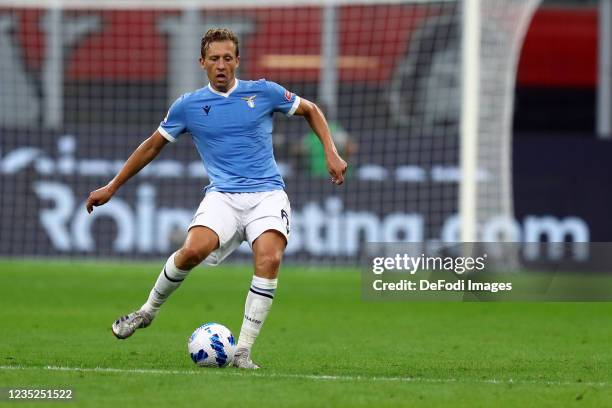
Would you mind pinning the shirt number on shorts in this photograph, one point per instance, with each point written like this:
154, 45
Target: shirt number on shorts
285, 217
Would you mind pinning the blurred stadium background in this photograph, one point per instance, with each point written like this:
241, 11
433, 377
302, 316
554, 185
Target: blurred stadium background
83, 83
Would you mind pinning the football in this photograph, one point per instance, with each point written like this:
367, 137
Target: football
212, 345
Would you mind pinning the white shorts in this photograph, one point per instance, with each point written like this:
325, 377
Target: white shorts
237, 217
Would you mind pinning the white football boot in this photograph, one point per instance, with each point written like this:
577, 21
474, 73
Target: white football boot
125, 326
242, 359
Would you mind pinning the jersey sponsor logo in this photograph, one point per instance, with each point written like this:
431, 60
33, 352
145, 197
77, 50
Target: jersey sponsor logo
206, 109
250, 100
288, 95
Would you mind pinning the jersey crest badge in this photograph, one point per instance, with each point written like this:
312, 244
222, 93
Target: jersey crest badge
288, 96
250, 100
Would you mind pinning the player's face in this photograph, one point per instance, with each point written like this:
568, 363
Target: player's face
220, 63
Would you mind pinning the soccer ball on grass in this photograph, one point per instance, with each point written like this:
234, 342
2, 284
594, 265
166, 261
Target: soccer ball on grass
212, 345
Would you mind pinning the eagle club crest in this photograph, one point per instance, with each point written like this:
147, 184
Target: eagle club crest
250, 100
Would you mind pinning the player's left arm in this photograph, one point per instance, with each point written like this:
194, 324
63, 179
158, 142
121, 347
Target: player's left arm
315, 118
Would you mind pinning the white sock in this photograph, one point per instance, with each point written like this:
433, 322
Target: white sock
169, 279
256, 308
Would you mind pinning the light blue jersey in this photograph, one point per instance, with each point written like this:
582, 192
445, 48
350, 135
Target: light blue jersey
233, 133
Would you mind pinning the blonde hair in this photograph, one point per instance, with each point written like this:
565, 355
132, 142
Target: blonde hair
217, 34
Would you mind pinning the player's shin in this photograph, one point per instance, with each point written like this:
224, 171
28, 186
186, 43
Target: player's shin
258, 304
168, 281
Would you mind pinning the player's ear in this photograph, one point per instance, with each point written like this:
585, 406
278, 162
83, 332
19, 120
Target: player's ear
237, 61
201, 60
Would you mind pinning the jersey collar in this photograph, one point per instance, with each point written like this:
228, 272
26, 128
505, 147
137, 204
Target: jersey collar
224, 94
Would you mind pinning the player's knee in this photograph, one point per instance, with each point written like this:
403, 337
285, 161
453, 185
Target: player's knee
269, 261
190, 256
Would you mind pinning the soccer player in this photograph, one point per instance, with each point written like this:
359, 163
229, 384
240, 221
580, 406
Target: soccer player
230, 123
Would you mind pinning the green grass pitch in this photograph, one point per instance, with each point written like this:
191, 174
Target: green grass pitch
321, 345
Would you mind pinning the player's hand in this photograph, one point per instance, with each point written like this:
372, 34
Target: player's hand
336, 167
98, 197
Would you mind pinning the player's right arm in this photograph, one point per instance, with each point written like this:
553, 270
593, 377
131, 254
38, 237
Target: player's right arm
143, 155
169, 129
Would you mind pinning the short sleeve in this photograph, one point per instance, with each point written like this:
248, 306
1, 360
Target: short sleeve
282, 100
174, 123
